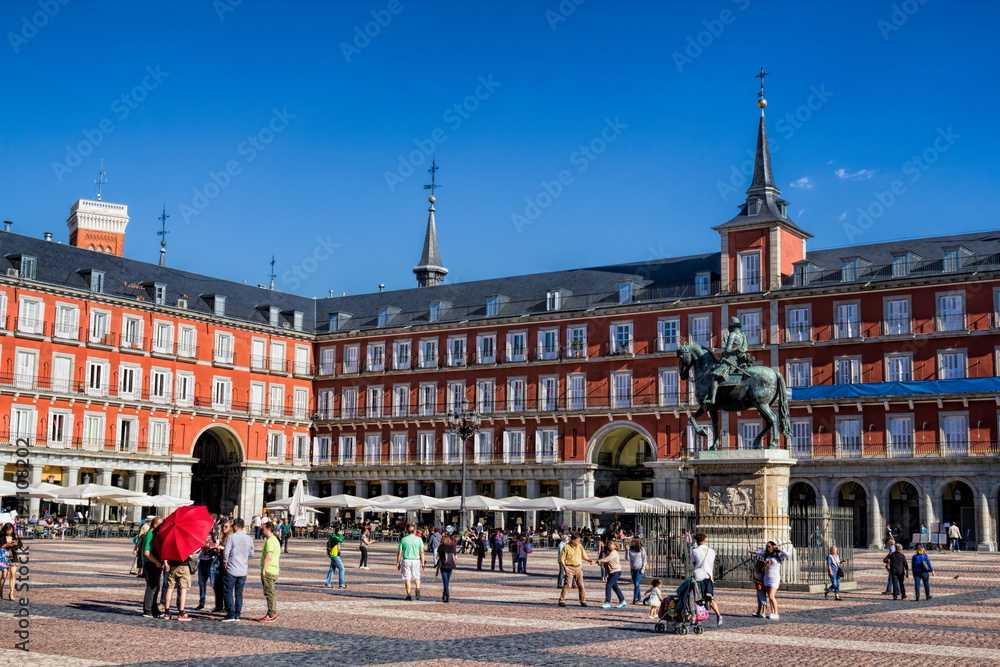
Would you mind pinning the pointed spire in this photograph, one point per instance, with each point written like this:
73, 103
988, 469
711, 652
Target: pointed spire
763, 176
430, 272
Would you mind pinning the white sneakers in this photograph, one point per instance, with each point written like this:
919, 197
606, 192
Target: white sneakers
773, 617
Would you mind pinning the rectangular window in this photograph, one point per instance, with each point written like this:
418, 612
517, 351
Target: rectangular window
847, 321
26, 369
848, 270
425, 448
952, 365
373, 449
485, 396
383, 317
553, 300
327, 360
513, 446
401, 400
492, 306
576, 391
22, 424
300, 449
749, 271
955, 434
67, 318
223, 348
898, 368
951, 260
897, 317
668, 334
100, 327
97, 378
276, 446
427, 400
159, 386
159, 294
325, 403
751, 326
799, 329
163, 337
428, 353
397, 448
29, 317
277, 357
351, 354
456, 351
349, 403
900, 266
257, 390
273, 315
548, 344
626, 293
184, 392
847, 370
799, 373
187, 342
219, 306
576, 342
451, 448
401, 355
346, 449
621, 338
300, 398
901, 436
128, 435
276, 400
748, 431
669, 387
258, 354
62, 372
60, 428
301, 366
129, 381
517, 346
801, 437
621, 389
483, 447
434, 313
222, 394
702, 284
547, 445
951, 312
456, 397
376, 357
97, 281
548, 393
322, 449
516, 390
701, 330
849, 436
93, 432
159, 436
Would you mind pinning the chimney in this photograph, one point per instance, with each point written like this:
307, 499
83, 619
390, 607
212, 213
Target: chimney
48, 236
6, 225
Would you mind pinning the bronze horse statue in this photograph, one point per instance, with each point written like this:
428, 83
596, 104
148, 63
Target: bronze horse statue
760, 387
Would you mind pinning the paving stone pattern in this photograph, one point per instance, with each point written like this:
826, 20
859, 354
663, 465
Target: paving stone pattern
86, 610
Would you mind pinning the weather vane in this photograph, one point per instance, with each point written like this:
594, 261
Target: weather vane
761, 102
432, 186
163, 235
272, 275
100, 181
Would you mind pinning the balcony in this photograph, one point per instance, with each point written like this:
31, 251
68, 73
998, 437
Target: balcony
666, 344
30, 326
878, 272
547, 352
916, 450
620, 348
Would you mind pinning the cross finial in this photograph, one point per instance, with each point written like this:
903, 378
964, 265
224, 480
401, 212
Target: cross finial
100, 181
272, 275
432, 186
163, 235
761, 76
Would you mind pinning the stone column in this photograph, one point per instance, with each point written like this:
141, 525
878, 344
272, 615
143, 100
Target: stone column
984, 524
34, 477
336, 487
362, 487
875, 523
500, 488
136, 479
532, 491
185, 485
100, 512
412, 487
929, 515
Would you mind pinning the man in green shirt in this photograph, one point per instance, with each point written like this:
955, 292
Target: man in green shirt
269, 570
152, 571
410, 560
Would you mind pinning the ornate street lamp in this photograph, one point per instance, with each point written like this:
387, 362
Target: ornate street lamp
465, 425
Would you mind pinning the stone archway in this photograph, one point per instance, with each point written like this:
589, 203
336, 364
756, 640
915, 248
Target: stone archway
904, 510
854, 496
216, 476
621, 450
958, 505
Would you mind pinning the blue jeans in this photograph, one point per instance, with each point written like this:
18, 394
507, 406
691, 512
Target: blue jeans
612, 585
204, 578
834, 584
338, 565
636, 584
234, 594
954, 544
925, 579
446, 580
521, 565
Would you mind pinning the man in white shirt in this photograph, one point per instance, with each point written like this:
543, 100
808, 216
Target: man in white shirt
703, 559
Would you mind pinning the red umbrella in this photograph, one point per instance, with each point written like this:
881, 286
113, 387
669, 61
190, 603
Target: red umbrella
183, 532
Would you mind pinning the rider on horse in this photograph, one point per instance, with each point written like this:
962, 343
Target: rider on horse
734, 357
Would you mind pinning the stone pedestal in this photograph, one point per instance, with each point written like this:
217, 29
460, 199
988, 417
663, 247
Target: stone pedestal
742, 482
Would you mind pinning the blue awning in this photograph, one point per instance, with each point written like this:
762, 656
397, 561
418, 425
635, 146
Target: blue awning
880, 389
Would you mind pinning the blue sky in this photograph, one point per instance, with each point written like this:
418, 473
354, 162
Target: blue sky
284, 128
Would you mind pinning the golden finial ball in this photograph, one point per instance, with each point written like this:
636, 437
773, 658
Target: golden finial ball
762, 103
432, 199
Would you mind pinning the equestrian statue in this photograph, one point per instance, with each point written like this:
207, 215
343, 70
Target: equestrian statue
733, 383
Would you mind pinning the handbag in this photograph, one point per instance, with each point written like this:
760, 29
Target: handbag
449, 561
840, 571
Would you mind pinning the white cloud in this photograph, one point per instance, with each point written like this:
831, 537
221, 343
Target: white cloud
800, 213
842, 216
859, 175
803, 183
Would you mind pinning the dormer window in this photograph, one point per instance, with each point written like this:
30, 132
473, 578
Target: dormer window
434, 312
753, 207
703, 284
25, 264
273, 315
626, 293
297, 320
553, 300
94, 279
219, 306
383, 317
804, 273
953, 258
901, 265
157, 292
492, 306
782, 209
338, 321
848, 270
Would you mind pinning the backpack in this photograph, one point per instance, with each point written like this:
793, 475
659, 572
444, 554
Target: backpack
333, 547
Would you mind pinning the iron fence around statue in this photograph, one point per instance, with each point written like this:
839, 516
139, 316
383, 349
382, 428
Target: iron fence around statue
805, 534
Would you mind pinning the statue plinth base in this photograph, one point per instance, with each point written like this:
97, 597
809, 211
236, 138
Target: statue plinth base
742, 482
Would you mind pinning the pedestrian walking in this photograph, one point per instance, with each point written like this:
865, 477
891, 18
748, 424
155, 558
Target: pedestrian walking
561, 578
410, 560
572, 556
769, 564
480, 542
922, 569
152, 571
363, 542
236, 563
613, 567
10, 543
523, 549
891, 546
497, 545
284, 533
652, 599
447, 562
703, 560
270, 569
954, 536
219, 583
433, 542
636, 555
898, 568
834, 568
255, 524
333, 546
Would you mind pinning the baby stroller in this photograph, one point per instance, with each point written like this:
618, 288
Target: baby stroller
682, 610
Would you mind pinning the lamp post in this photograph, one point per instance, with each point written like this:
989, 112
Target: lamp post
464, 424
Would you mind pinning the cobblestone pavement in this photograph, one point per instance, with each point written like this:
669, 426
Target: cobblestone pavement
85, 610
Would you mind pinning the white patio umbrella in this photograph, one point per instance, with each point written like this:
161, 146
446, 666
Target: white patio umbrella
472, 503
341, 500
8, 488
385, 499
296, 503
283, 503
91, 492
43, 490
609, 505
411, 504
161, 500
547, 504
668, 504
